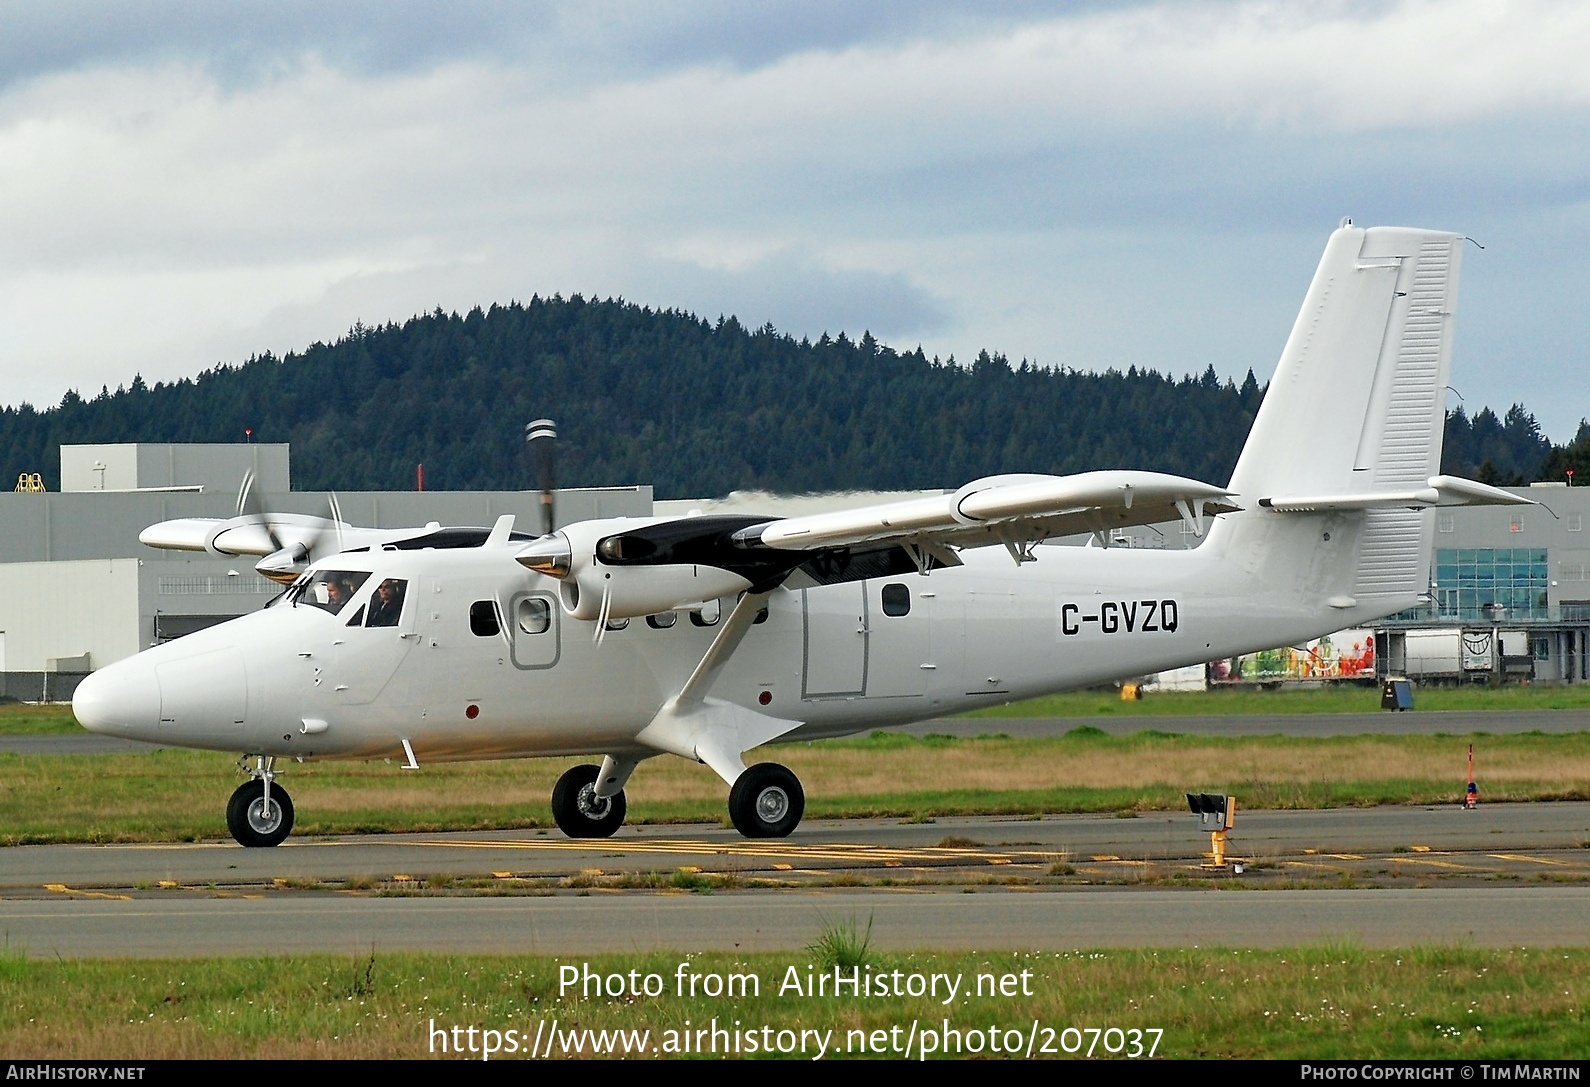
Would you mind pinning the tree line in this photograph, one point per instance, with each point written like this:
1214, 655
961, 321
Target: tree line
695, 408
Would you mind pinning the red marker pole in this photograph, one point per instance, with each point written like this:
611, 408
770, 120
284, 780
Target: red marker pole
1471, 798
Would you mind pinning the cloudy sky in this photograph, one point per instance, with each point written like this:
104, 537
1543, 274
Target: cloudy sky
1080, 184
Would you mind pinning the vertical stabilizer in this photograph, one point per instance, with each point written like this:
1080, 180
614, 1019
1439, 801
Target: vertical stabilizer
1356, 407
1357, 402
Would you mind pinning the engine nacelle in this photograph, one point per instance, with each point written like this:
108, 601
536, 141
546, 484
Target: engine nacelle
633, 591
592, 562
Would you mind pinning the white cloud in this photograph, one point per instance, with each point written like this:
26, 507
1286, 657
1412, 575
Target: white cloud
1023, 184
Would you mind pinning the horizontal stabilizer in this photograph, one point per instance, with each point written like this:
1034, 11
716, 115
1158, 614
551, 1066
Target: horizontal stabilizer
1439, 491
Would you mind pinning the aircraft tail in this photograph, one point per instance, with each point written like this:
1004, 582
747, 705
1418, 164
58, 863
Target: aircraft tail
1355, 412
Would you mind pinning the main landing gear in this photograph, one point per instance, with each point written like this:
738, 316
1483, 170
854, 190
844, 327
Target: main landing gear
260, 812
766, 802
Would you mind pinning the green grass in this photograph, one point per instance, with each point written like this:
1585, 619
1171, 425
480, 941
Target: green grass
1331, 1001
166, 795
1341, 698
22, 719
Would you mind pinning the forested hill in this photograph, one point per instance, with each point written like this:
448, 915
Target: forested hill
662, 397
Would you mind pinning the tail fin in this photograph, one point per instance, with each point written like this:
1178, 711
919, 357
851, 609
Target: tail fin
1356, 407
1358, 401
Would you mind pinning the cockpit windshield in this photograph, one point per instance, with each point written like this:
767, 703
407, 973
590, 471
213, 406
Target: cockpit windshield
329, 590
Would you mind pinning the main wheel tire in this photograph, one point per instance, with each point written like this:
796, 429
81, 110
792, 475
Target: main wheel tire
579, 812
767, 801
248, 820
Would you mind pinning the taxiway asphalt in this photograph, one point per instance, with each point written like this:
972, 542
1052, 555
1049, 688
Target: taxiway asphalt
772, 920
1501, 875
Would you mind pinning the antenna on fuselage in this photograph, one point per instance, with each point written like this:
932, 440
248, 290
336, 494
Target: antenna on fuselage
541, 435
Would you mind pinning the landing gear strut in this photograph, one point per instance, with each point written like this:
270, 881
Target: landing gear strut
767, 801
579, 811
260, 812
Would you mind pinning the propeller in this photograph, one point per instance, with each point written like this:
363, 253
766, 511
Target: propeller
288, 558
541, 436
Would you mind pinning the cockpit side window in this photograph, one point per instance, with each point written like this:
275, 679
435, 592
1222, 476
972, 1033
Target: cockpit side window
483, 619
330, 590
386, 603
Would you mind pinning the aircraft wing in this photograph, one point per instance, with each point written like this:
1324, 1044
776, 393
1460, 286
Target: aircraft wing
252, 535
1014, 510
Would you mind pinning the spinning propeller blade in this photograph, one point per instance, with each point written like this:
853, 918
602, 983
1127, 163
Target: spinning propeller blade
541, 435
287, 560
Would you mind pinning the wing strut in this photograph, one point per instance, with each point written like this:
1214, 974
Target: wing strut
711, 730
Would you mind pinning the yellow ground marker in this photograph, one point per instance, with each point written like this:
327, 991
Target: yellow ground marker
503, 875
1533, 860
61, 888
167, 883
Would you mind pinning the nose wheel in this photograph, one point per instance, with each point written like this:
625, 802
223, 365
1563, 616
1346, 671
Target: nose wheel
767, 801
257, 819
579, 812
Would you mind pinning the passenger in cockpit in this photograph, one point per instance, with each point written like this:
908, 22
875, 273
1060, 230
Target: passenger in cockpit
386, 605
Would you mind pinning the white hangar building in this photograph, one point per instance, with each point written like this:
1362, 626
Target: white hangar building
78, 591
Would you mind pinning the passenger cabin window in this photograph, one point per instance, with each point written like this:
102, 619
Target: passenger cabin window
709, 614
330, 590
534, 615
896, 600
662, 620
386, 603
483, 619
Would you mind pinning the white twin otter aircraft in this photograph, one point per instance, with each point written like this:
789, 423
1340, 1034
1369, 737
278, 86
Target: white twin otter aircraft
708, 636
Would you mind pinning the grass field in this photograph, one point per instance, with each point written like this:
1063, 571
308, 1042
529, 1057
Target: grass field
1341, 698
19, 718
1317, 1002
174, 794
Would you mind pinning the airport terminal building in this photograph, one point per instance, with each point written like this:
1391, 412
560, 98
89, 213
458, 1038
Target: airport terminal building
1510, 586
78, 591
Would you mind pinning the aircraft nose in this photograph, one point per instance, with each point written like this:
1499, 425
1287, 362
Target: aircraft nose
121, 699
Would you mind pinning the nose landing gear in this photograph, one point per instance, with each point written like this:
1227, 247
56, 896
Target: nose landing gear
260, 813
579, 811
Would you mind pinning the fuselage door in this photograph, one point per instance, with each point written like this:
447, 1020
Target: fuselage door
375, 639
834, 638
901, 619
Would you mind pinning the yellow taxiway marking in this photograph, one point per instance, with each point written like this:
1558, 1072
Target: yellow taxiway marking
834, 852
1533, 860
1436, 864
1313, 864
1343, 856
61, 888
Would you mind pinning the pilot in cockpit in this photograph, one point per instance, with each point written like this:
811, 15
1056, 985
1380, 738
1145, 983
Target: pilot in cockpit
336, 594
386, 604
